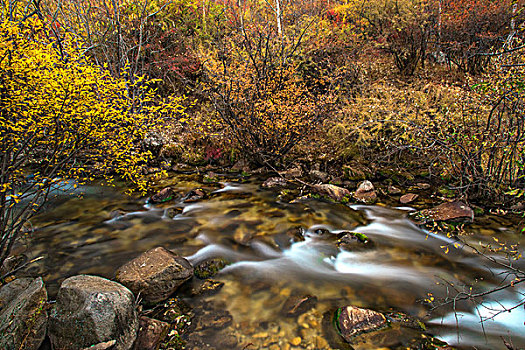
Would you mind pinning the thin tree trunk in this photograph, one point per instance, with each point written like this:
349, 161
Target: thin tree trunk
278, 14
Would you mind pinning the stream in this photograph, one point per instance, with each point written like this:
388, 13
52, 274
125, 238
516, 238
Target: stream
279, 249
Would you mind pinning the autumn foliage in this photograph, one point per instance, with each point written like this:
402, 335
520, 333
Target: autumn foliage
63, 117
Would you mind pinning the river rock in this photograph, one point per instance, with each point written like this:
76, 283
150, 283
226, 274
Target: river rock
352, 321
296, 305
195, 195
366, 192
210, 267
23, 315
408, 198
155, 274
151, 333
453, 211
91, 310
273, 182
334, 192
164, 195
393, 190
353, 241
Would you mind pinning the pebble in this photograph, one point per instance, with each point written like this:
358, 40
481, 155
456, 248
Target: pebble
295, 341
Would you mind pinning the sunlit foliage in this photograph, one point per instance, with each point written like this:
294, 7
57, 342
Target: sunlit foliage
62, 117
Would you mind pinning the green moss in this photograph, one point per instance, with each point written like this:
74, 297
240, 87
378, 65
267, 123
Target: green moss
210, 268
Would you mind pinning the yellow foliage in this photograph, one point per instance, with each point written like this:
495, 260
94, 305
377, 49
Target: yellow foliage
62, 116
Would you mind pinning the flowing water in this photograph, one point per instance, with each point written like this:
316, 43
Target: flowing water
278, 250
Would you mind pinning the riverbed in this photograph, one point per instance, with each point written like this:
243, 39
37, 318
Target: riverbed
277, 249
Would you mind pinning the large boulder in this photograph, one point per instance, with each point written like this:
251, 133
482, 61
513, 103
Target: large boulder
352, 321
91, 310
23, 315
155, 274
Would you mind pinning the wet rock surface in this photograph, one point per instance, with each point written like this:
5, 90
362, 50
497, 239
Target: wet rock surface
90, 310
150, 334
352, 321
195, 195
450, 211
155, 274
23, 314
210, 267
164, 195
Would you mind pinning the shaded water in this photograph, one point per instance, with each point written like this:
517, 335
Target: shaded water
279, 250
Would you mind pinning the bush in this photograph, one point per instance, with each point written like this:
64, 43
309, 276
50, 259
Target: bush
258, 91
62, 118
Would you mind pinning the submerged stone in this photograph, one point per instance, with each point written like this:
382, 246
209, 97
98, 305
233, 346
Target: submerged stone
296, 305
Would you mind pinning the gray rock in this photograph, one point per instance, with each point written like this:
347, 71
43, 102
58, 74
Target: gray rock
91, 310
155, 274
23, 315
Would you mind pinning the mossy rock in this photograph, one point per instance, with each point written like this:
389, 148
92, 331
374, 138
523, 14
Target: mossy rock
210, 268
352, 241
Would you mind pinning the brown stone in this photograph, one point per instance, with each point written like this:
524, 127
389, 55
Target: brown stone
195, 195
354, 320
164, 195
393, 190
334, 192
151, 333
408, 198
155, 274
365, 192
448, 211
